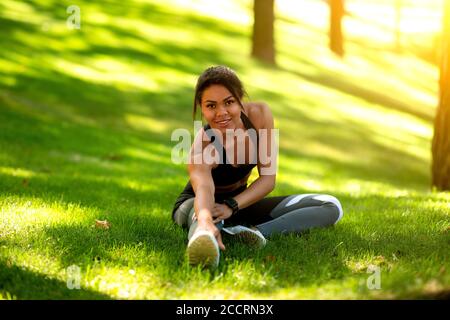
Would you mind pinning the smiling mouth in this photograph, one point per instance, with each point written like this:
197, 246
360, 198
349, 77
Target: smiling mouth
223, 122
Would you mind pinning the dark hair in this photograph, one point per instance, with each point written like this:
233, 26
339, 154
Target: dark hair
221, 75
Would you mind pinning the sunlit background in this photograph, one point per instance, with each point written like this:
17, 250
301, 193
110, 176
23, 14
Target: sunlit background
86, 117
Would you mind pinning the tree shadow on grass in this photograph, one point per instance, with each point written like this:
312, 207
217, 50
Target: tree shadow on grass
345, 251
309, 260
96, 101
338, 82
153, 240
40, 286
372, 160
137, 238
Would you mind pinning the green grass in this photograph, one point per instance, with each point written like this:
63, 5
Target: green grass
85, 123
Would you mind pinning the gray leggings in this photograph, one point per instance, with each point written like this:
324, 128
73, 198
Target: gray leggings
272, 215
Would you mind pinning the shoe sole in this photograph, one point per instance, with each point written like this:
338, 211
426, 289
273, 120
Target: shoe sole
250, 238
203, 251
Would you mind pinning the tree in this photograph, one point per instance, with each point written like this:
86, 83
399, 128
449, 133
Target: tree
336, 37
398, 14
441, 138
263, 47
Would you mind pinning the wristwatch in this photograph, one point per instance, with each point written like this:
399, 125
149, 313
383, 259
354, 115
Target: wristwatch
231, 203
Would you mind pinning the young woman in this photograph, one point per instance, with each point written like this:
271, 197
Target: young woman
217, 199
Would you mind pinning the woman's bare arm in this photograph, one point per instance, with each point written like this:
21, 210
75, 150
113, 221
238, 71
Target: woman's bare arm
203, 185
265, 183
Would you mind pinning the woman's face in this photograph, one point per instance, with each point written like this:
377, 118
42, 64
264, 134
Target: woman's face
220, 108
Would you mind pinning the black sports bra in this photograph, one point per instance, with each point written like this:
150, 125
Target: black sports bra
225, 173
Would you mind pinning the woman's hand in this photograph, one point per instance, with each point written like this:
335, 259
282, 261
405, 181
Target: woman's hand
221, 212
208, 225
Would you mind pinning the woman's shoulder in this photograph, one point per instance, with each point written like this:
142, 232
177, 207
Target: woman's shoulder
259, 113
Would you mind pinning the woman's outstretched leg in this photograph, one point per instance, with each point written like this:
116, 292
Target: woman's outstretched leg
297, 213
183, 216
202, 248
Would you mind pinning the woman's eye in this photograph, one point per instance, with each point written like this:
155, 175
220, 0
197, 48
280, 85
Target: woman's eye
229, 102
209, 105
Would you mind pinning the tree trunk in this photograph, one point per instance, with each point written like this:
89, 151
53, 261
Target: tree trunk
336, 37
398, 34
336, 15
263, 40
441, 138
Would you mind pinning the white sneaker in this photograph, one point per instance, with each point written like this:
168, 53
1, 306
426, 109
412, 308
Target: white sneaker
249, 236
203, 249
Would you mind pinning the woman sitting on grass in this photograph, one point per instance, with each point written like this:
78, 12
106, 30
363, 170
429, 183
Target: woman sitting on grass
238, 137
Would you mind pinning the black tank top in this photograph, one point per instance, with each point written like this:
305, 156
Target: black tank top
225, 173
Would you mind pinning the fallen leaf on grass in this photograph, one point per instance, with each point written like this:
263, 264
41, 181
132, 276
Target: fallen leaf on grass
102, 224
25, 182
113, 157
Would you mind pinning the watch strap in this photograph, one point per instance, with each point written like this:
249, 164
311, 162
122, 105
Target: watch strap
231, 203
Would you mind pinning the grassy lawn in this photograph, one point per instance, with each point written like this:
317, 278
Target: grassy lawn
86, 118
